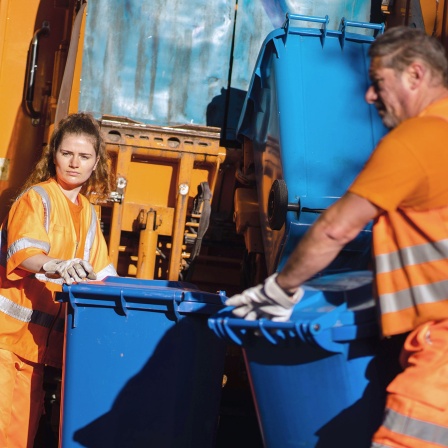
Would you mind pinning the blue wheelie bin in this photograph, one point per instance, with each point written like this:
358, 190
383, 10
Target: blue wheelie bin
318, 380
141, 367
311, 130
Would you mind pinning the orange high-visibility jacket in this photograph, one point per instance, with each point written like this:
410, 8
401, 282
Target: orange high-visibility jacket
411, 263
39, 222
406, 176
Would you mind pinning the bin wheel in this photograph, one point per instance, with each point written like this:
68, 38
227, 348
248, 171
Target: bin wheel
277, 204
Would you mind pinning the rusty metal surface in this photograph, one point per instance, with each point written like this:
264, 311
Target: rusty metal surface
159, 169
163, 142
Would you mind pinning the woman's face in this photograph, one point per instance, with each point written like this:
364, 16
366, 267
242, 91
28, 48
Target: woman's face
75, 160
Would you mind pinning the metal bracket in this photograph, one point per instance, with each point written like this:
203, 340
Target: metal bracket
118, 195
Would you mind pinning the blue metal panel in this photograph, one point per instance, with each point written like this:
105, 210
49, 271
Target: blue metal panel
155, 61
311, 127
168, 63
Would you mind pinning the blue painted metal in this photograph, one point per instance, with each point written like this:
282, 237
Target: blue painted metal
157, 62
316, 380
183, 61
141, 366
311, 127
255, 19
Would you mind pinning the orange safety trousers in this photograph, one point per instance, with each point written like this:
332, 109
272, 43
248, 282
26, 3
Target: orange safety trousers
21, 400
416, 414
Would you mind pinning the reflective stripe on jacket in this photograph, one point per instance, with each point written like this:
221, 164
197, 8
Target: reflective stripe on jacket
411, 262
416, 413
31, 322
420, 432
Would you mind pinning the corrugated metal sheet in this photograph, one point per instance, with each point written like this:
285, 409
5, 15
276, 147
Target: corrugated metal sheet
168, 62
155, 61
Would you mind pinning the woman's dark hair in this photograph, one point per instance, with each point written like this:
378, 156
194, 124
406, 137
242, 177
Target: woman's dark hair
98, 186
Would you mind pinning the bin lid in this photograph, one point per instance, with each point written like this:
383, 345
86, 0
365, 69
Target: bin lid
334, 310
128, 293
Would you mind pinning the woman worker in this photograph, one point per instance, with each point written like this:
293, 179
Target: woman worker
51, 236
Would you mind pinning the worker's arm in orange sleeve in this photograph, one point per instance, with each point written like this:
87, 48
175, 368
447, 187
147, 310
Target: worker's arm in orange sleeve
35, 263
337, 226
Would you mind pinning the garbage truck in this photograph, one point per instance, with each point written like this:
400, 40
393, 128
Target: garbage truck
230, 125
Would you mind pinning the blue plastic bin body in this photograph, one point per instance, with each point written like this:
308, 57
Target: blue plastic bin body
141, 366
311, 130
318, 380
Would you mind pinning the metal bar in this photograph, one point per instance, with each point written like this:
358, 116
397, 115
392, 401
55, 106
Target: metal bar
147, 248
123, 162
180, 213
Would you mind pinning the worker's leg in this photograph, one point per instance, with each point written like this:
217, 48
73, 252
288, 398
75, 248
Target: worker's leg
21, 400
416, 413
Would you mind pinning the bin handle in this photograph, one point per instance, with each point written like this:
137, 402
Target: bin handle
308, 332
377, 27
233, 328
262, 328
322, 332
227, 330
324, 20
